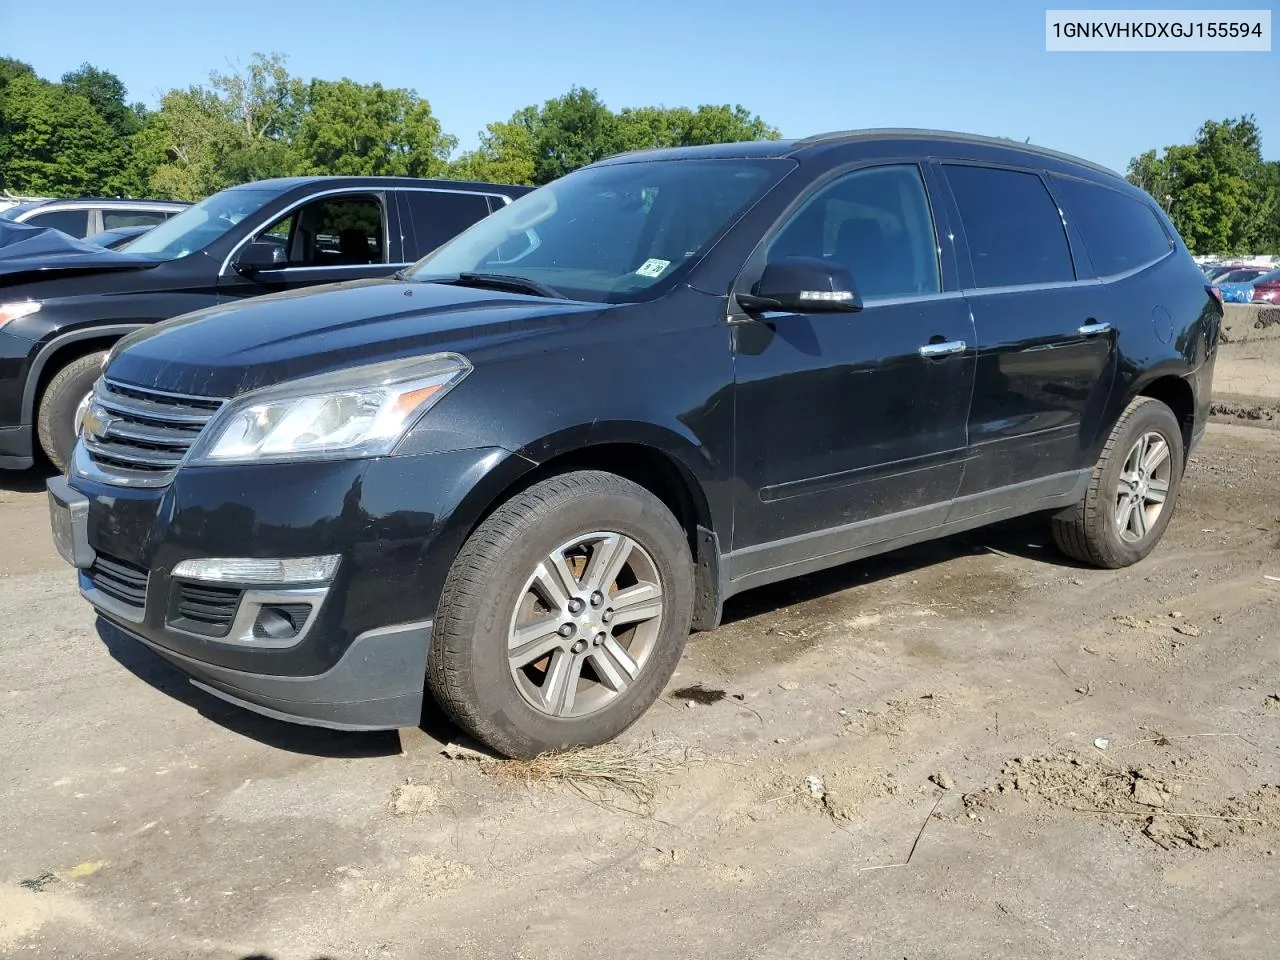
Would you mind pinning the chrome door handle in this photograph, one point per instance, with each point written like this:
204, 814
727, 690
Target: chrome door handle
931, 350
1093, 329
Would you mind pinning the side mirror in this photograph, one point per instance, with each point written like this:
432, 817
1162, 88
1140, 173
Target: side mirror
261, 256
803, 285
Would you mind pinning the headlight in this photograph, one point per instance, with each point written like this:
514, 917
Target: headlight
361, 412
18, 310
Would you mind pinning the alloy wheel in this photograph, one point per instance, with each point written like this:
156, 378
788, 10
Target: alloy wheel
1143, 487
585, 624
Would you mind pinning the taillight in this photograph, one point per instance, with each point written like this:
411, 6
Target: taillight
1217, 296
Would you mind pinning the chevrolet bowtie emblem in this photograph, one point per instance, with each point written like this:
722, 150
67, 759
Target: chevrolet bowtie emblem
95, 423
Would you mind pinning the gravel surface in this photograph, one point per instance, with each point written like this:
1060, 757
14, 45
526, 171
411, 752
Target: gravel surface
965, 749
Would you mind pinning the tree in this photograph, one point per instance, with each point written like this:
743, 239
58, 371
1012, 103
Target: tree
265, 105
368, 130
539, 144
180, 153
52, 141
1219, 192
106, 93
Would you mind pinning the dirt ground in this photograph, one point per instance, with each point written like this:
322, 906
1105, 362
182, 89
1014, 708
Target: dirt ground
967, 749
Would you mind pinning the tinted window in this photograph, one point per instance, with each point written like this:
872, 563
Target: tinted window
111, 219
1119, 232
74, 222
874, 222
1012, 224
438, 217
1240, 276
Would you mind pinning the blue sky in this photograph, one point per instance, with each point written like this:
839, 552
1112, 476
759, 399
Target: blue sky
804, 65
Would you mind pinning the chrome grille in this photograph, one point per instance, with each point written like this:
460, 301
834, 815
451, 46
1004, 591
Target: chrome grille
136, 436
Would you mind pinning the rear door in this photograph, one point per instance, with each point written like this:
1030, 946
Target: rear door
348, 235
1045, 338
434, 216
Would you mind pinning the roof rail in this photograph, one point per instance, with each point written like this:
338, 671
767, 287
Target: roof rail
911, 132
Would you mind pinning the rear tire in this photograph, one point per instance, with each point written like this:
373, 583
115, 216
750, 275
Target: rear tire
1122, 518
589, 578
60, 404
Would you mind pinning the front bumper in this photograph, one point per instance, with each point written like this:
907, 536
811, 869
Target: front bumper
376, 685
396, 523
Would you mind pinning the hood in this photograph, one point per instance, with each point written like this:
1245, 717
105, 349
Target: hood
228, 350
32, 253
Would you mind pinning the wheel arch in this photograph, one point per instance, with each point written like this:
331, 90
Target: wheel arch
61, 350
1176, 394
657, 468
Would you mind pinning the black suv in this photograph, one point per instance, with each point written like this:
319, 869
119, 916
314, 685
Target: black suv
59, 314
516, 475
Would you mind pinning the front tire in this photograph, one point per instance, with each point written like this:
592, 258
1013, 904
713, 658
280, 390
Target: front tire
60, 406
563, 616
1132, 492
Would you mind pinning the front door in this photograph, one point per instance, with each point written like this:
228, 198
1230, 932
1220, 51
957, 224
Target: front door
851, 428
332, 238
1046, 343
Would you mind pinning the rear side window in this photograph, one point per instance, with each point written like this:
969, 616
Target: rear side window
1014, 231
113, 219
1119, 232
74, 222
439, 216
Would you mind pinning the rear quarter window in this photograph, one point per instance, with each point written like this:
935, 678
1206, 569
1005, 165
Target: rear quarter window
1120, 233
439, 216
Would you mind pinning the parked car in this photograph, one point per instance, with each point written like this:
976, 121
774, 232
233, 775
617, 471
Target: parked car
59, 316
1236, 286
1222, 269
1266, 289
516, 474
117, 238
88, 217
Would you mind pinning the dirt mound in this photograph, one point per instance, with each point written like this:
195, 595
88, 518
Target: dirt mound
1141, 800
1245, 322
1254, 412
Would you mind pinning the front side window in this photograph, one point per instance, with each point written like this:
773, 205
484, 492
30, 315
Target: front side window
200, 225
617, 233
1012, 225
877, 224
73, 222
331, 232
1119, 232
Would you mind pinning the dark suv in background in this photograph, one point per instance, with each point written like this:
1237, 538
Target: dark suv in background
516, 475
59, 315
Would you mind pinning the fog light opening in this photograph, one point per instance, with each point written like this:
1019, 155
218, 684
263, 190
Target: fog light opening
281, 621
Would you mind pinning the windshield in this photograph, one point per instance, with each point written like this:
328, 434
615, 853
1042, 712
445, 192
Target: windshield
611, 234
198, 226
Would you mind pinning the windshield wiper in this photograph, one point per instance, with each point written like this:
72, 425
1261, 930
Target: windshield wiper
500, 281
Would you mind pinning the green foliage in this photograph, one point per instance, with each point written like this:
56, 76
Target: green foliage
106, 93
256, 121
53, 142
358, 129
539, 144
1219, 192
